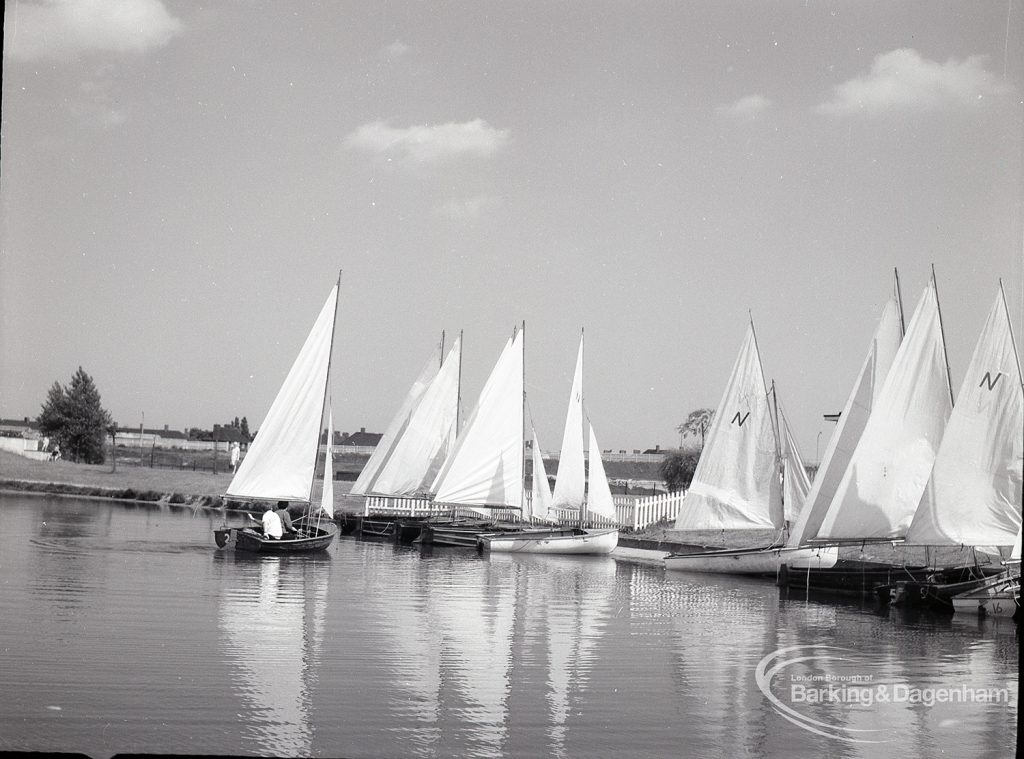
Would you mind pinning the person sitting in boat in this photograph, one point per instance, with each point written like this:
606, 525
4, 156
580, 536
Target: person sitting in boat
272, 527
286, 519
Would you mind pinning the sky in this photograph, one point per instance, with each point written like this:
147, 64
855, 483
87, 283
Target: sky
181, 182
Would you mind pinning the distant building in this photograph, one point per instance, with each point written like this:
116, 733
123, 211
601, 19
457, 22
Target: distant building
361, 439
19, 427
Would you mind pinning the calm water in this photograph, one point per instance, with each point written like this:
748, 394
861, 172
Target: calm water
123, 629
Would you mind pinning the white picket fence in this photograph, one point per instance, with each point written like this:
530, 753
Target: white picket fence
630, 512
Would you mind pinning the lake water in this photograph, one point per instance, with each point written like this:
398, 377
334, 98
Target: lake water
124, 629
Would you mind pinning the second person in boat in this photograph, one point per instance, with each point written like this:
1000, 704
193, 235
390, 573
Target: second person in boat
286, 520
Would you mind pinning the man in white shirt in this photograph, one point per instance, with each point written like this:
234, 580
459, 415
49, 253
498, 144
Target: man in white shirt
272, 527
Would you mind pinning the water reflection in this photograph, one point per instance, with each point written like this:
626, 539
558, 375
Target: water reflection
127, 630
564, 601
271, 619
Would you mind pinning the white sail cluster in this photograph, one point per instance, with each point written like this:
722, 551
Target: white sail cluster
486, 466
922, 469
420, 436
483, 467
883, 483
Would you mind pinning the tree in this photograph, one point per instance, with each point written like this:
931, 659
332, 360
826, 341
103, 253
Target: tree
245, 429
74, 416
677, 469
697, 423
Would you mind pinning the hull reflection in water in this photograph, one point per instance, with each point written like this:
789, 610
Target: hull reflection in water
123, 633
565, 603
271, 619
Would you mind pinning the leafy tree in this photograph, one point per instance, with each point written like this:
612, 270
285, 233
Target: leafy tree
245, 428
677, 469
697, 423
74, 416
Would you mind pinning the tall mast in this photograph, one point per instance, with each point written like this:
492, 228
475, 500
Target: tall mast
780, 464
899, 301
522, 435
1013, 342
458, 388
327, 387
942, 332
583, 504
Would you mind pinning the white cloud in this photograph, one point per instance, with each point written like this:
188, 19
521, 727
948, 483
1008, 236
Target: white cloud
64, 28
748, 107
396, 49
461, 209
429, 144
903, 80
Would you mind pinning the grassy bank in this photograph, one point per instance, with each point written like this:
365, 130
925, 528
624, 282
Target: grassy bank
17, 472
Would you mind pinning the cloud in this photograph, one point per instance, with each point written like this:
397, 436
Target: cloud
429, 144
748, 107
903, 80
461, 209
63, 29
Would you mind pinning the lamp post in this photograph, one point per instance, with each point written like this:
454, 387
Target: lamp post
142, 426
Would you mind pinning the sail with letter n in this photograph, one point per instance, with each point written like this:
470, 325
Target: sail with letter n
738, 468
973, 495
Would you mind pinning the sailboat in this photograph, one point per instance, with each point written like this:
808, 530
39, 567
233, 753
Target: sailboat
484, 472
886, 474
849, 427
569, 494
737, 484
281, 462
973, 493
414, 445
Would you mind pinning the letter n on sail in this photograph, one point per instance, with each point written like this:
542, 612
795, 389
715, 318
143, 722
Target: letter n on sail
740, 419
989, 381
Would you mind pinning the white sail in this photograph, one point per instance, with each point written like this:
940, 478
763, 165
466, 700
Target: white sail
852, 420
541, 501
570, 480
883, 484
973, 496
327, 497
428, 436
1015, 551
599, 495
367, 477
795, 483
732, 484
282, 458
486, 466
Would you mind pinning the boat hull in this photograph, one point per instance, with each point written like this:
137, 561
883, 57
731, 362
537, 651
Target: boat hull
250, 541
848, 576
562, 542
995, 599
938, 591
759, 562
